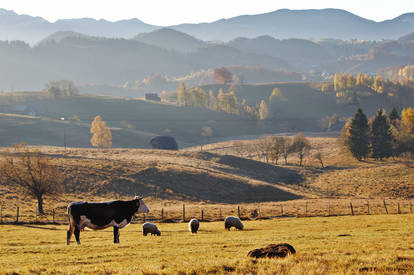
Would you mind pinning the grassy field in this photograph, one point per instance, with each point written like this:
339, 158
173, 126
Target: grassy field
133, 121
223, 178
334, 245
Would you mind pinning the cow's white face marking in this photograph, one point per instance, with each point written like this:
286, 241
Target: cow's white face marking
142, 207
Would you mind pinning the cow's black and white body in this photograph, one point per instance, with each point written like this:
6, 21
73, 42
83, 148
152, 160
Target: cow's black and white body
102, 215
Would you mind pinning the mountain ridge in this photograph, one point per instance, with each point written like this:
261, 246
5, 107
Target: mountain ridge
281, 24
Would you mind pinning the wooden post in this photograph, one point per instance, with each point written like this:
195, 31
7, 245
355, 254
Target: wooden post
17, 214
352, 208
145, 218
399, 209
368, 207
385, 206
183, 212
281, 210
162, 213
202, 214
53, 215
221, 216
411, 208
238, 211
329, 208
306, 209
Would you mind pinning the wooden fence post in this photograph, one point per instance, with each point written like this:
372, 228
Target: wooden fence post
385, 206
238, 211
183, 212
306, 209
399, 209
162, 213
411, 208
53, 215
368, 207
17, 214
352, 208
329, 208
145, 218
281, 210
202, 214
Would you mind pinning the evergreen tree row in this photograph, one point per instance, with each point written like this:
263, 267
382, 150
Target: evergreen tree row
380, 137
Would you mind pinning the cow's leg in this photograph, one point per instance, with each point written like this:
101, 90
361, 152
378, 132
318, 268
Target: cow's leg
77, 233
69, 234
70, 230
116, 234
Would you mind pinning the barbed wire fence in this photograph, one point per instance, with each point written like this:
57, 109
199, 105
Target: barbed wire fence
212, 212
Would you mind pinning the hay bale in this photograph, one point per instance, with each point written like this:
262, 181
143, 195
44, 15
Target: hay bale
273, 250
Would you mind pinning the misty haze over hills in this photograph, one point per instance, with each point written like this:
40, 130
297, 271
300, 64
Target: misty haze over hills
90, 51
308, 24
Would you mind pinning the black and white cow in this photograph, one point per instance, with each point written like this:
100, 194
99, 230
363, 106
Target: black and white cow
102, 215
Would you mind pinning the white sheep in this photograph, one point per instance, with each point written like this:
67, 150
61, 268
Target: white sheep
232, 221
193, 225
150, 228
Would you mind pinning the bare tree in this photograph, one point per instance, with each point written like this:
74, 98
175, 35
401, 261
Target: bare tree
62, 88
263, 147
35, 175
278, 145
318, 156
286, 148
300, 145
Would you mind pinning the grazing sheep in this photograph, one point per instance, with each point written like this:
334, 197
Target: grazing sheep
150, 228
193, 225
232, 221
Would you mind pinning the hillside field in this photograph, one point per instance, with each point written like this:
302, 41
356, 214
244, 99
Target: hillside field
334, 245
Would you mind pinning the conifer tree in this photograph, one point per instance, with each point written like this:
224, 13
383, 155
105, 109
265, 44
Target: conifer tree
381, 136
358, 140
393, 115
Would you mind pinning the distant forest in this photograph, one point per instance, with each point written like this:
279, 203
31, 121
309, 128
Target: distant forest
143, 64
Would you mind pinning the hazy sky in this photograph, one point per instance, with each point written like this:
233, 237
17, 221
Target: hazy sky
170, 12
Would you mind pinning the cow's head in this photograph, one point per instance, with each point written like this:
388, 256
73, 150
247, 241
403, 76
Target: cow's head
142, 208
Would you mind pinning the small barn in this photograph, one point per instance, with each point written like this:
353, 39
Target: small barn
164, 142
152, 96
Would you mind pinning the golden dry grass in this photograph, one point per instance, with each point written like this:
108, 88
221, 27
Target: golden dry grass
219, 181
335, 245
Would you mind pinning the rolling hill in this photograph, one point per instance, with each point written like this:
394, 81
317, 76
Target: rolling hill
134, 122
86, 60
170, 39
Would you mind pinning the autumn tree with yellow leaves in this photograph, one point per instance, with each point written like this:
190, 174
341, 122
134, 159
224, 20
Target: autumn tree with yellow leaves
407, 118
101, 134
